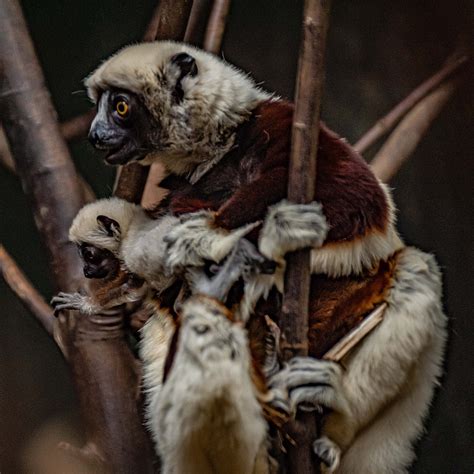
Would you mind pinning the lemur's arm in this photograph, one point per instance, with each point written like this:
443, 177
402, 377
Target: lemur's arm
250, 202
106, 297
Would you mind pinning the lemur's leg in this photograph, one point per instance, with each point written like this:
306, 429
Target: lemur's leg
288, 227
310, 384
195, 239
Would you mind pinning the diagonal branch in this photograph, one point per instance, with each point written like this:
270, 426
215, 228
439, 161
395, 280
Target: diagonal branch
301, 189
410, 131
453, 65
26, 292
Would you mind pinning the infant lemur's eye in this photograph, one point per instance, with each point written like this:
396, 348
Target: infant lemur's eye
122, 108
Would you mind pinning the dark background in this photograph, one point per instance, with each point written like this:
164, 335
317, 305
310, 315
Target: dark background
378, 51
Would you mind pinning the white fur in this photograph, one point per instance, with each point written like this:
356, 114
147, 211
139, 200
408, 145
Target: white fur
208, 417
195, 239
216, 100
289, 227
156, 335
390, 380
140, 245
85, 228
382, 397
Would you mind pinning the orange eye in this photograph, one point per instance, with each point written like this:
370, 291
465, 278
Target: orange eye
122, 108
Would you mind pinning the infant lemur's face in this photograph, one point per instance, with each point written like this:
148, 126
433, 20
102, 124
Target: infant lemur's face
98, 263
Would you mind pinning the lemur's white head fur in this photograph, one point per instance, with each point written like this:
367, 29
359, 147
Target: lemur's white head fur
88, 227
215, 100
209, 335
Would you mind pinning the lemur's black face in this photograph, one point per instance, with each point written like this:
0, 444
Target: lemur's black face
123, 127
98, 263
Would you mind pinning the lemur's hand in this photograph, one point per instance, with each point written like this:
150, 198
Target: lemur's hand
288, 227
195, 239
72, 301
329, 453
311, 384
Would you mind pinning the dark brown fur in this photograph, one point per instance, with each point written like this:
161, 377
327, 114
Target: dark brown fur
254, 175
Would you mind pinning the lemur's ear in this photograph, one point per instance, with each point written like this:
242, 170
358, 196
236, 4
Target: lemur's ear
110, 226
186, 63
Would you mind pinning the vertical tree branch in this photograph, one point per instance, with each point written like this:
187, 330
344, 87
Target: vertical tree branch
197, 22
40, 153
301, 187
216, 26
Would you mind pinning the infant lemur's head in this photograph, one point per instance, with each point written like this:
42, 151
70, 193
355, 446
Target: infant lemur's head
168, 101
98, 230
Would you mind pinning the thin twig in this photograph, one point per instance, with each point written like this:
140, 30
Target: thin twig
301, 189
216, 26
410, 131
386, 123
26, 292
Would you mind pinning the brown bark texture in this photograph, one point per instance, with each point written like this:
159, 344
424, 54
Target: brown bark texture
301, 187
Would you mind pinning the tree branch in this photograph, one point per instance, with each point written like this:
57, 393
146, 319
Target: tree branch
301, 188
39, 151
196, 28
410, 131
216, 26
453, 65
26, 292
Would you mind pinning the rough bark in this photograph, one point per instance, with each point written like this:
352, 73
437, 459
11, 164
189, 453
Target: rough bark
301, 187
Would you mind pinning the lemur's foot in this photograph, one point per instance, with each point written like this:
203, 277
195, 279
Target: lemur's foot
71, 301
194, 239
289, 227
310, 383
329, 453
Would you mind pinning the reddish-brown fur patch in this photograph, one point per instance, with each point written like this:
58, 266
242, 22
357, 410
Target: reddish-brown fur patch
254, 175
337, 305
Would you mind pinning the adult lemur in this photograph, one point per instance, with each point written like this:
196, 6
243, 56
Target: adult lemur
209, 123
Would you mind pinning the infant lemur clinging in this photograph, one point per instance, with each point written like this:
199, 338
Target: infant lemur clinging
209, 124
